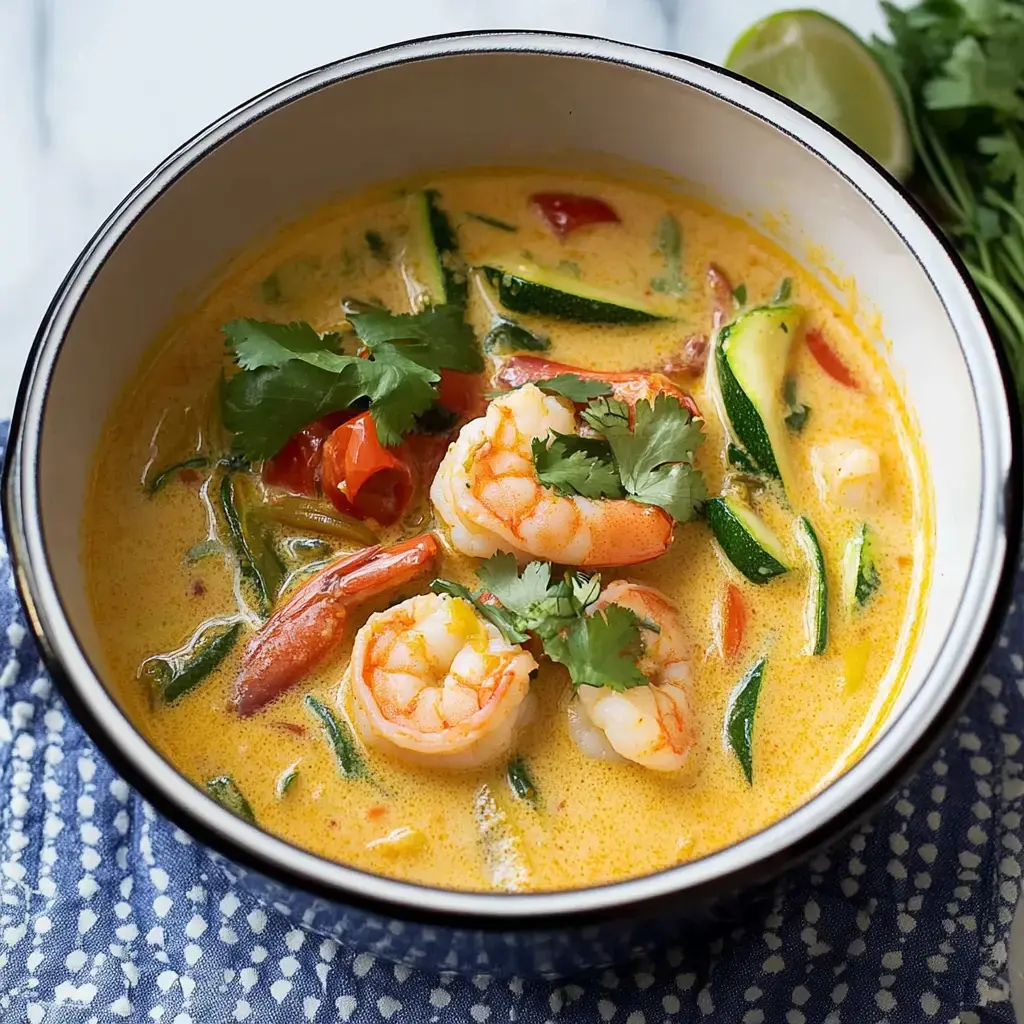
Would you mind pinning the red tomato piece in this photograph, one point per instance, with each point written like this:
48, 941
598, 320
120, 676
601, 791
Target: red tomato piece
296, 467
828, 360
734, 623
462, 393
362, 477
564, 212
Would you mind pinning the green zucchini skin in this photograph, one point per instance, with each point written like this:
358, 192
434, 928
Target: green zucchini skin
749, 554
751, 355
173, 677
739, 722
225, 791
546, 294
860, 568
817, 601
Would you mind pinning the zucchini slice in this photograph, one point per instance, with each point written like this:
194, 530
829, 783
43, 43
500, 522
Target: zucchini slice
525, 288
739, 721
746, 540
817, 598
860, 571
432, 253
751, 356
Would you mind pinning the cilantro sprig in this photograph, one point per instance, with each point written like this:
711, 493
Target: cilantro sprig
599, 648
648, 460
290, 375
959, 73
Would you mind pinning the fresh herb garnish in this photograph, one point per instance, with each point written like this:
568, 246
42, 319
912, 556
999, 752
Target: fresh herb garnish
598, 649
575, 465
574, 387
739, 293
258, 561
290, 375
508, 336
784, 292
173, 675
739, 722
668, 239
377, 246
501, 225
797, 413
958, 72
164, 475
287, 779
339, 735
655, 454
225, 791
521, 782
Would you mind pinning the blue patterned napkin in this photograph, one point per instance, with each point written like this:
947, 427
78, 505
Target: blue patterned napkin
110, 912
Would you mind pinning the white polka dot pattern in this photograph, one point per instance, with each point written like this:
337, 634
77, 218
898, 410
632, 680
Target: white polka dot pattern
109, 912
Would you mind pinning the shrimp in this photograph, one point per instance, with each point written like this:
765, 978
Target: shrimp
434, 683
304, 631
651, 725
487, 492
629, 386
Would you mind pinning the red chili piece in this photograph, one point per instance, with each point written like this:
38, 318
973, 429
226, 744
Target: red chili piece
828, 360
564, 212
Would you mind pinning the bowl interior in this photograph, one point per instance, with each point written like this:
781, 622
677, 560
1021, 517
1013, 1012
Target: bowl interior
438, 109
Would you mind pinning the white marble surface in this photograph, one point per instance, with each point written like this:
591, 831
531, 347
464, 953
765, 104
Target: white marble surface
96, 92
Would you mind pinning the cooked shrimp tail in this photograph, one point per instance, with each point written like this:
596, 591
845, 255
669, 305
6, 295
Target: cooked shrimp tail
305, 630
629, 386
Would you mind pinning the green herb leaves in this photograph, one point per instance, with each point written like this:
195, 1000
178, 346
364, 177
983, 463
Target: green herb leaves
290, 375
797, 413
668, 238
959, 71
574, 387
601, 648
649, 461
575, 465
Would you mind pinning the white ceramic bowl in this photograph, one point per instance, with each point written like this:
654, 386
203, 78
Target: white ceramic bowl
535, 99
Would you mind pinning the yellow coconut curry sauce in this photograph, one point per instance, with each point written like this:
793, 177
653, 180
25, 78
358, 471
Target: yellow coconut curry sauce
755, 722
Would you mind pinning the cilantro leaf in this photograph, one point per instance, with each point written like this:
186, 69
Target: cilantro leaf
575, 465
297, 394
783, 292
290, 375
438, 338
601, 649
539, 605
797, 413
739, 293
655, 457
574, 387
259, 343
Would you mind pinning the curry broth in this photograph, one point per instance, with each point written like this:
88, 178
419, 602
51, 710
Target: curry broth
597, 822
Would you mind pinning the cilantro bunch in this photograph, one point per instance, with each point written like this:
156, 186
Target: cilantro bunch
290, 375
599, 648
958, 67
648, 460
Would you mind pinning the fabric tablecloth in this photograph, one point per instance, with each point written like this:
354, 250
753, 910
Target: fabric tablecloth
110, 912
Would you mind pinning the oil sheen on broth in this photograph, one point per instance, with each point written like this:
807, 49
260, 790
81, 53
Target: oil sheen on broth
159, 564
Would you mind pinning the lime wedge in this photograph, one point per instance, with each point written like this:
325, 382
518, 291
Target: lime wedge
820, 64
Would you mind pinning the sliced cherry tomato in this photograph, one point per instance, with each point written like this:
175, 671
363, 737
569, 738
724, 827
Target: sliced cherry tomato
564, 212
734, 623
828, 360
362, 477
296, 467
